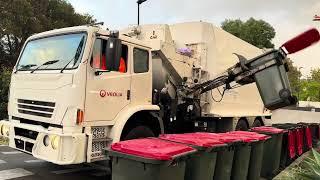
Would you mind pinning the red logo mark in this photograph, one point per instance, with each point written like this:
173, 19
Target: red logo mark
103, 93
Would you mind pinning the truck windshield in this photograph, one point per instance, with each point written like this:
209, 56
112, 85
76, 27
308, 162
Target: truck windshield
62, 49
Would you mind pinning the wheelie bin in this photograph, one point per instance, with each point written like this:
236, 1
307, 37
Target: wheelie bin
150, 158
223, 169
200, 165
241, 157
307, 145
256, 154
288, 152
272, 150
299, 137
314, 127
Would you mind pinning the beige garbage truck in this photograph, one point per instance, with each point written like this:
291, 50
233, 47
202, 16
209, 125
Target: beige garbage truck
76, 90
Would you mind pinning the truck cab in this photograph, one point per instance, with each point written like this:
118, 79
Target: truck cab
67, 92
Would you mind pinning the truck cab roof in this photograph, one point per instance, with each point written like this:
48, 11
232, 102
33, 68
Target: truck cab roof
89, 29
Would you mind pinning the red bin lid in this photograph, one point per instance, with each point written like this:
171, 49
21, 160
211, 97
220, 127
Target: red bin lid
257, 136
218, 136
192, 139
268, 129
151, 148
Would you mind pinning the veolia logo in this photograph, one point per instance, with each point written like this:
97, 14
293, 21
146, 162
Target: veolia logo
104, 93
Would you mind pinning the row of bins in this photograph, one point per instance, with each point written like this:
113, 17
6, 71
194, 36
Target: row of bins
297, 139
192, 156
238, 155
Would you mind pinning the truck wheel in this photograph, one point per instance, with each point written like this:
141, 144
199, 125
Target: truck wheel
139, 132
257, 123
242, 125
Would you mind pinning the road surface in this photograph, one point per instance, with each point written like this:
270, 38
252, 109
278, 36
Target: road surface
20, 166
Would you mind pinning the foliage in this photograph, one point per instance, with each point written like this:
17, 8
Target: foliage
256, 32
5, 76
315, 74
310, 90
294, 76
4, 141
310, 87
310, 167
20, 19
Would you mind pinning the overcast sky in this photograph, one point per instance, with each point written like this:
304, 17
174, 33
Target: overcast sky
288, 17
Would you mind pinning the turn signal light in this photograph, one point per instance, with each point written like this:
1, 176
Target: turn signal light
80, 116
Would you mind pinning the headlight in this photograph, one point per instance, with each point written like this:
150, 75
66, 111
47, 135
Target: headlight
5, 130
46, 140
1, 129
55, 141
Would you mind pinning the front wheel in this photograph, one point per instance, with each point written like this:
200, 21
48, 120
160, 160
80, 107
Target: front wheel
138, 132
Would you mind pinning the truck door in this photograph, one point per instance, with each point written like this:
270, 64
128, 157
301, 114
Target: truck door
107, 93
141, 84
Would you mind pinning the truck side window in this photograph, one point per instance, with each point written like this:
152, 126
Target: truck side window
140, 60
98, 59
96, 54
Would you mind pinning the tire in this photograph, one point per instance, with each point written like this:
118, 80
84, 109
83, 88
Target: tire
257, 123
242, 125
138, 132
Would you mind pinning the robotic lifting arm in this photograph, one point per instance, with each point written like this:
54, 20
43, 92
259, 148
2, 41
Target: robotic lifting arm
268, 71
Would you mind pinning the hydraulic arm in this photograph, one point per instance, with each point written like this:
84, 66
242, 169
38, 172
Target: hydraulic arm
268, 71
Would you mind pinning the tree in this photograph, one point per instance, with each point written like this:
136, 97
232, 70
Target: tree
256, 32
310, 87
315, 74
294, 76
19, 19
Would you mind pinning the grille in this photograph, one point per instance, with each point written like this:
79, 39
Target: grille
97, 148
36, 108
19, 144
99, 132
27, 146
26, 133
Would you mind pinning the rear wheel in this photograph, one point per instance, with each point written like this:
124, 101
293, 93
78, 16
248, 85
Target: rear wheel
138, 132
257, 123
242, 125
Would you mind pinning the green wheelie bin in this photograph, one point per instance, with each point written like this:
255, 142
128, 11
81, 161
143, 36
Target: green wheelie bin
148, 159
288, 152
241, 157
256, 154
223, 169
200, 165
272, 150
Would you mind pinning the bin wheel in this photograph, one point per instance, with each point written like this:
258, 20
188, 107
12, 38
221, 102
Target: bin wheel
242, 125
139, 132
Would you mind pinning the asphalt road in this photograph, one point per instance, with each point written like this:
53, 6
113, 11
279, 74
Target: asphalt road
20, 166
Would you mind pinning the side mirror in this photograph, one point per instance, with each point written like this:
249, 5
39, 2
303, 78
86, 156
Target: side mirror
113, 54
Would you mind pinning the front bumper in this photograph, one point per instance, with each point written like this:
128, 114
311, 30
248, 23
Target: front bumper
70, 147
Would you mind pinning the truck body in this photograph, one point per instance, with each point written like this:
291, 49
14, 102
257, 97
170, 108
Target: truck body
68, 100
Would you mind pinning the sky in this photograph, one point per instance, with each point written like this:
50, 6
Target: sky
288, 17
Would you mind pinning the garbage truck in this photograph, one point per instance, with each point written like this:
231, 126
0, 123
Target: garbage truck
74, 91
